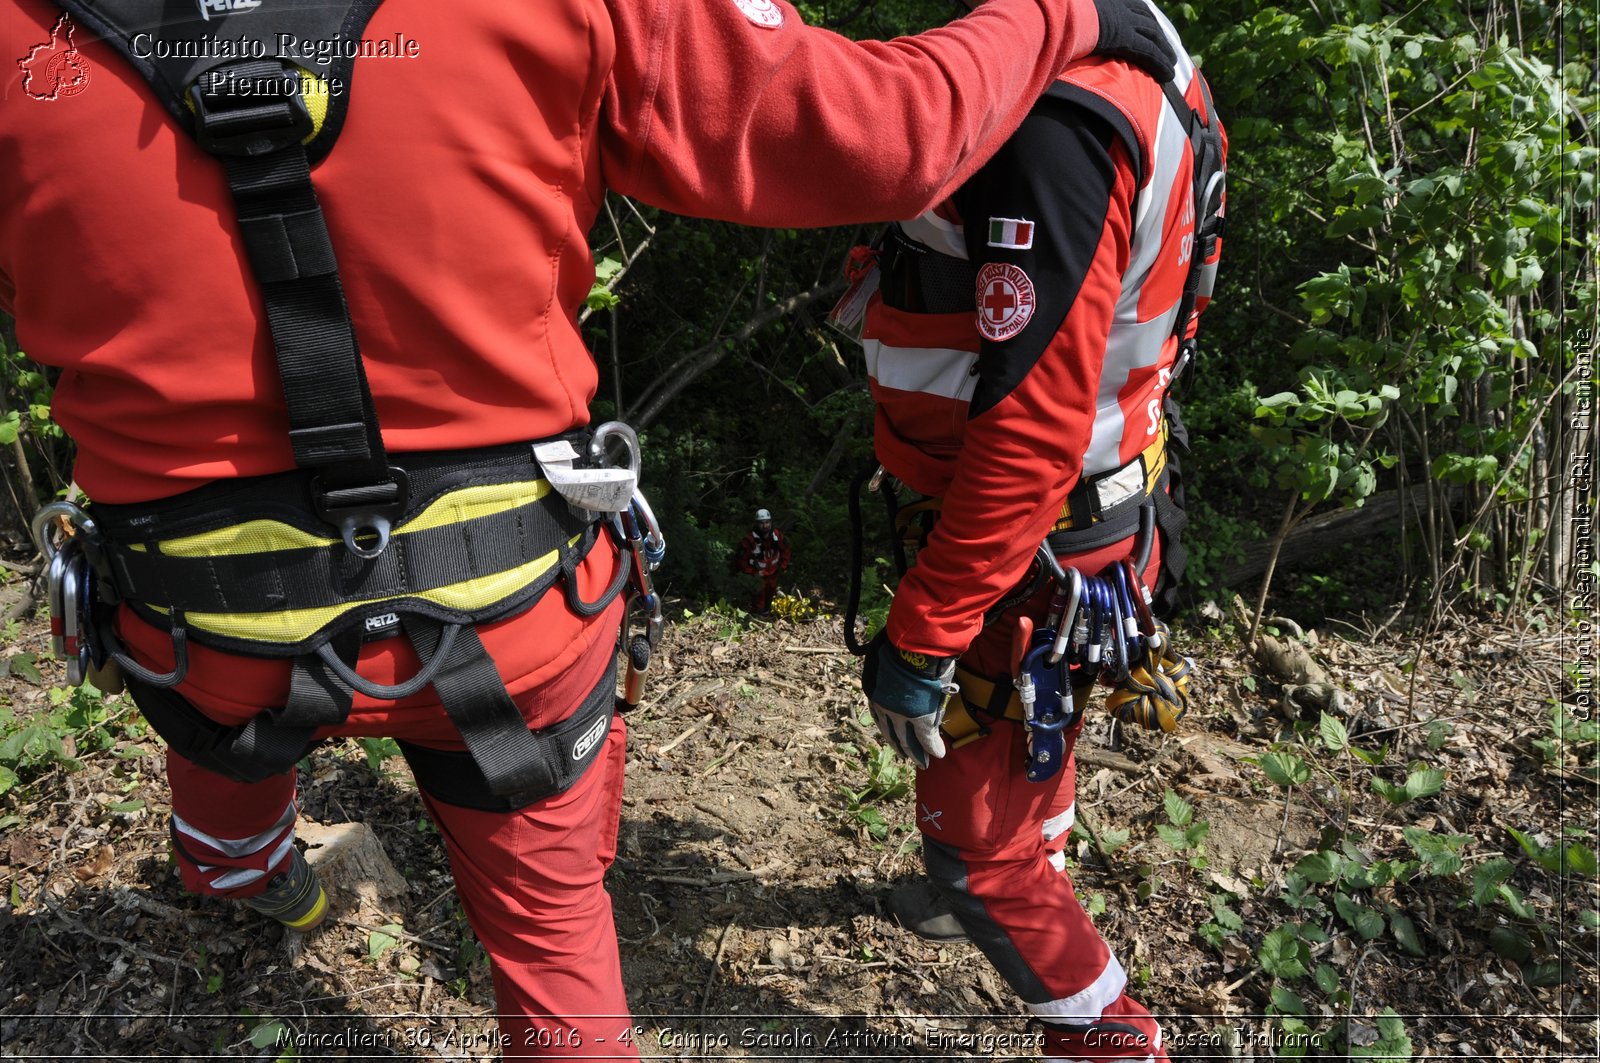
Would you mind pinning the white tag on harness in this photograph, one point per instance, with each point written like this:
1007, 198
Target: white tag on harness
850, 312
605, 490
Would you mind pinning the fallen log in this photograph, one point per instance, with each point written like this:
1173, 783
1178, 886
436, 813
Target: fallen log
1313, 538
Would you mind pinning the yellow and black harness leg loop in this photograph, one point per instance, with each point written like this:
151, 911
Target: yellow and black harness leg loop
977, 704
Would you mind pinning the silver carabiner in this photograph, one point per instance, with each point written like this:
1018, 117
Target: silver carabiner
655, 541
72, 513
1068, 616
623, 431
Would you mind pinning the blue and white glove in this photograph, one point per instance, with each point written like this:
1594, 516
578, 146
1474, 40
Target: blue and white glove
908, 692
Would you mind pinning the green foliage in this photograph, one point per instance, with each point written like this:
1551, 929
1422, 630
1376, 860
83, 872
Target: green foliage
1225, 922
888, 779
35, 455
1409, 203
1572, 740
77, 721
1285, 769
1391, 1042
377, 751
1284, 954
1421, 782
1182, 831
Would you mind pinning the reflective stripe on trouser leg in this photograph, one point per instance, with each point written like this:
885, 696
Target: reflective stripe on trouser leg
230, 837
1056, 830
1124, 1031
532, 885
1027, 920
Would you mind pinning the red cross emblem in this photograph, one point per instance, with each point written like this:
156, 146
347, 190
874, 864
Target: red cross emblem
1005, 301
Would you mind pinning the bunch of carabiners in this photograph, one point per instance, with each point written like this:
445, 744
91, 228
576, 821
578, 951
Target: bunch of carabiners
1099, 629
71, 585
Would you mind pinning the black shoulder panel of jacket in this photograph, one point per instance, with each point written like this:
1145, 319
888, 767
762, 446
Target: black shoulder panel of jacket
1057, 173
173, 44
1107, 112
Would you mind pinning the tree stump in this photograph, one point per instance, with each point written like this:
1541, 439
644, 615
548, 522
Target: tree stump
352, 864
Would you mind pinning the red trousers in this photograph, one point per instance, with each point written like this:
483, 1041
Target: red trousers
989, 836
531, 881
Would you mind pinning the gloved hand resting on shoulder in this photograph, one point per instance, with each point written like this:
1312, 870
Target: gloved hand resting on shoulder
908, 692
1129, 30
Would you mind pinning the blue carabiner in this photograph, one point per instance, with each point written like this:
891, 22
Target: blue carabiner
1051, 711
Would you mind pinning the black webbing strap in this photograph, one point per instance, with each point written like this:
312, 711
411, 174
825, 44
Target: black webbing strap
491, 725
573, 745
332, 423
1205, 143
1116, 524
274, 739
1171, 519
916, 279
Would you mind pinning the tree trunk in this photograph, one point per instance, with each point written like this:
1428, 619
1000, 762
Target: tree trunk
1314, 537
690, 366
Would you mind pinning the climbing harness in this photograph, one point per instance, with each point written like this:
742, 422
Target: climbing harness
354, 544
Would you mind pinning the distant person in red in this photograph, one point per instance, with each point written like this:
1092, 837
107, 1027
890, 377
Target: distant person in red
764, 553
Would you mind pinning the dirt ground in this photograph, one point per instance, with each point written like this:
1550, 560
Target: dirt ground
750, 889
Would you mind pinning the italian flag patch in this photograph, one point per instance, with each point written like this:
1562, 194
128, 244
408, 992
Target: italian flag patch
1015, 233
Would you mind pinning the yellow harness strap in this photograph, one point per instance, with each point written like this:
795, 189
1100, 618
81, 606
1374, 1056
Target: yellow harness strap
960, 726
1153, 459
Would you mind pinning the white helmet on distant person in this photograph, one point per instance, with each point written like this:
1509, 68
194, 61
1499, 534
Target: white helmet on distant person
763, 516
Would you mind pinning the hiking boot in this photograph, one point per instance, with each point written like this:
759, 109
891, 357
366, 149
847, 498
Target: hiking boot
923, 910
294, 897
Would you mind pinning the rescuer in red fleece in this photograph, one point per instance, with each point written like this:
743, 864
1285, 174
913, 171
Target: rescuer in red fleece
469, 167
1020, 347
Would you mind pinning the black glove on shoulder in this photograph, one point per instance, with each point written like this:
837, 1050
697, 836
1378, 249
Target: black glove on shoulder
1130, 30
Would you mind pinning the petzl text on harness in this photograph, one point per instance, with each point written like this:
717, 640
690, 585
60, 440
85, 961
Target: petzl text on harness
354, 544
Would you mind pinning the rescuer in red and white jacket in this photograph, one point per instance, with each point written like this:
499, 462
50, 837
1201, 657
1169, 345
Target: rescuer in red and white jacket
468, 173
763, 553
1073, 247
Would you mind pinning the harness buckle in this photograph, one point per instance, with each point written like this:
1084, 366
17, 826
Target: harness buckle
249, 108
366, 514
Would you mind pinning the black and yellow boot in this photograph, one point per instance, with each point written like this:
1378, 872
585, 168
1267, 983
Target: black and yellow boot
294, 897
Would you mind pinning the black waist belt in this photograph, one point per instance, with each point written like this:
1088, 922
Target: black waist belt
249, 567
919, 280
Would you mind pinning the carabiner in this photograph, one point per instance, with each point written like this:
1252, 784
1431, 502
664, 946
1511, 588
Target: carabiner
655, 542
623, 431
1074, 600
72, 513
1140, 596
